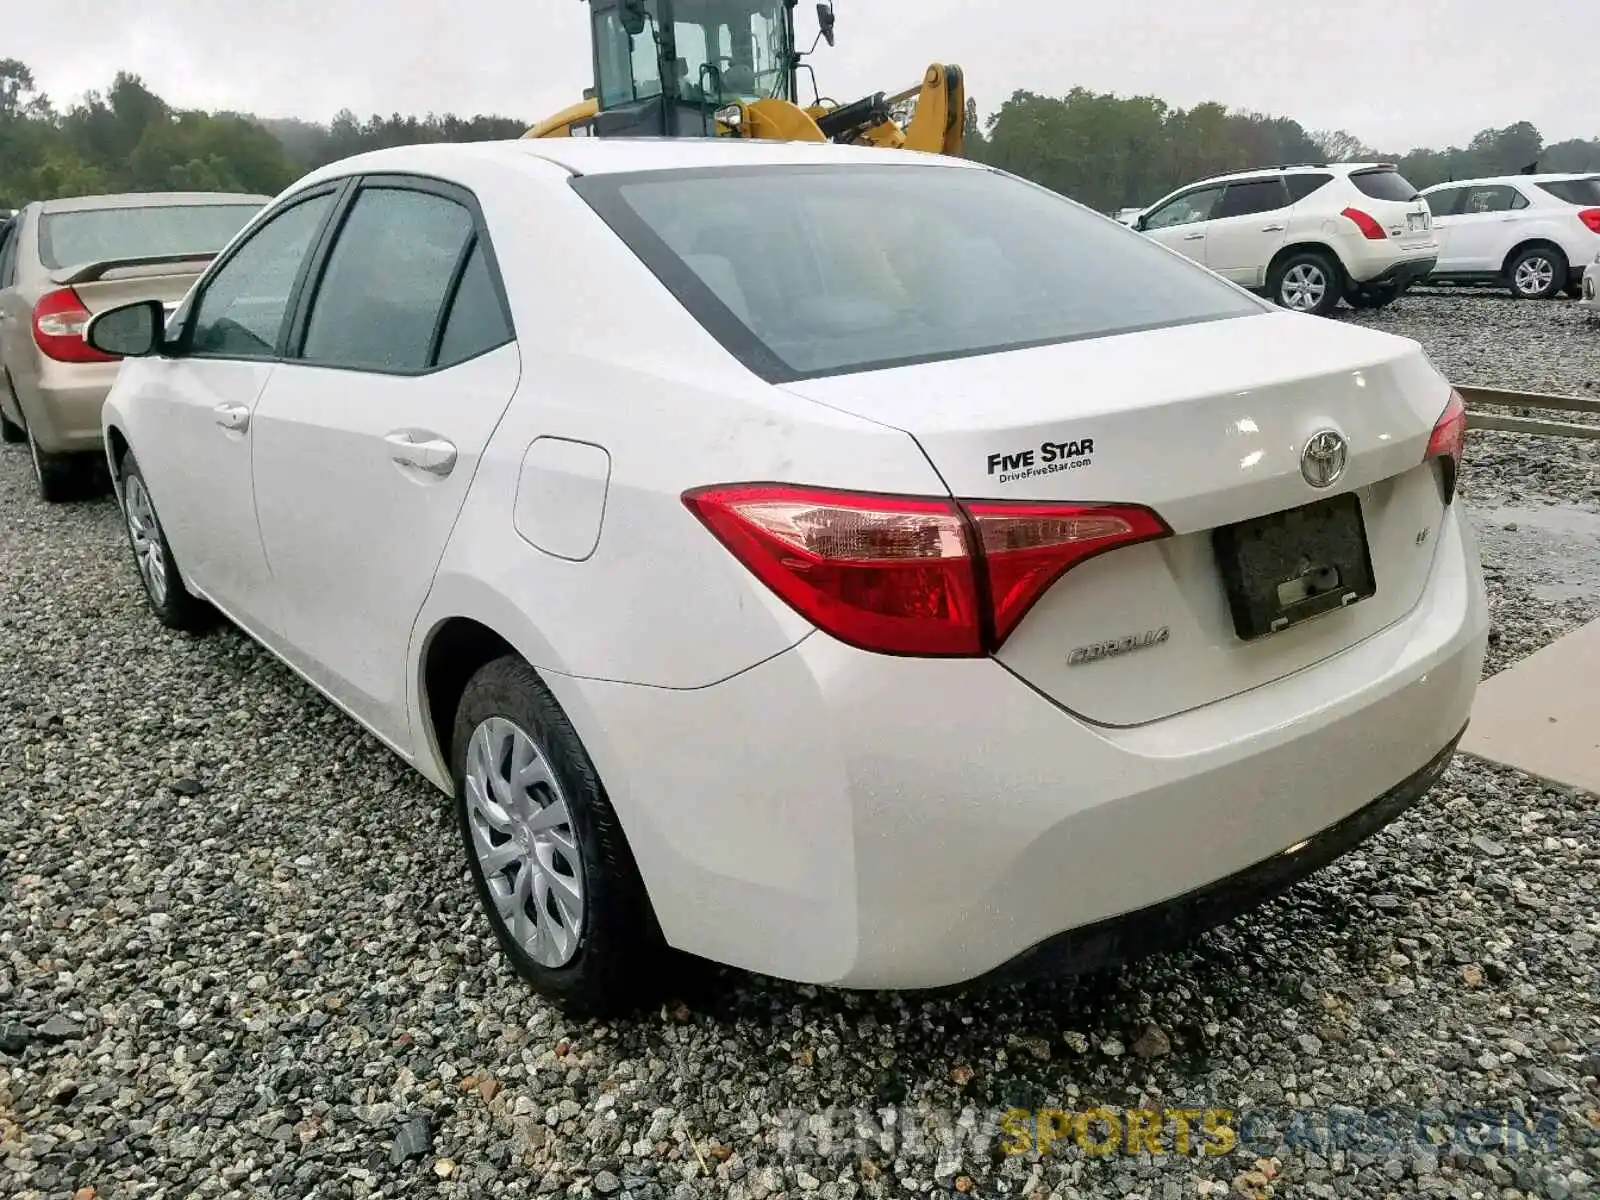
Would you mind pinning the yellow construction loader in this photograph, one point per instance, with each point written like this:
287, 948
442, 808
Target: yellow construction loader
730, 68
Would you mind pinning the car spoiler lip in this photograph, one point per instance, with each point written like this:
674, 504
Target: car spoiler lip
89, 272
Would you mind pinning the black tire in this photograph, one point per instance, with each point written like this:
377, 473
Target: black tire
59, 476
1574, 289
1536, 273
1370, 298
1295, 280
616, 966
10, 431
173, 604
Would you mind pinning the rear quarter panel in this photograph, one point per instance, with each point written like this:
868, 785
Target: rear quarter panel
612, 360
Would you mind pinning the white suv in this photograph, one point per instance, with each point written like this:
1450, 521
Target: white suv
1306, 235
1533, 234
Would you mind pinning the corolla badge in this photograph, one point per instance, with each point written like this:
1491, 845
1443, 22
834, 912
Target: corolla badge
1323, 459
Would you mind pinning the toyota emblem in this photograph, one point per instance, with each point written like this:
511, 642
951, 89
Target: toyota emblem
1323, 459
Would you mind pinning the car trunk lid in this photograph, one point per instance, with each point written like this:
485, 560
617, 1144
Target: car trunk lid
109, 283
1206, 425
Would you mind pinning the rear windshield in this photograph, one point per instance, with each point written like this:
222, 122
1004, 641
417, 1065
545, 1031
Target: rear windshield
1575, 191
803, 271
1384, 185
70, 239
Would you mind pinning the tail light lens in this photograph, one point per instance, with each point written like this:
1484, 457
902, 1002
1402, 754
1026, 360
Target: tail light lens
59, 320
911, 575
1449, 443
1591, 218
1370, 229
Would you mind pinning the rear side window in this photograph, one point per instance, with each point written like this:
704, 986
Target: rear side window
477, 322
1383, 185
1492, 198
386, 282
1302, 185
1443, 203
793, 269
1253, 196
1575, 191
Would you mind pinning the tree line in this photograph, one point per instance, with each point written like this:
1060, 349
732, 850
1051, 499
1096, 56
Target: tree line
1105, 150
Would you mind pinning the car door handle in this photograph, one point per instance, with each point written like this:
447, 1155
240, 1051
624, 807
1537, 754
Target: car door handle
424, 451
1193, 237
1272, 229
233, 416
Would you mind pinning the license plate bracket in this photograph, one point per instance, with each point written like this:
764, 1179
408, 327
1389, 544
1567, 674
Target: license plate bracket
1290, 566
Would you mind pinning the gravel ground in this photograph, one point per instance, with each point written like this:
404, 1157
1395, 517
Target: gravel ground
238, 956
1535, 501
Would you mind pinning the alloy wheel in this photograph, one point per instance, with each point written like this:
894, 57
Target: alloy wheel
1303, 287
523, 836
144, 531
1534, 275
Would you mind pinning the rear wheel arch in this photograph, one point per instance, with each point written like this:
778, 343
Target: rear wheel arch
116, 452
1309, 246
1558, 256
455, 650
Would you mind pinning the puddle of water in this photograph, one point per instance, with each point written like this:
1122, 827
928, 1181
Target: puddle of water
1553, 550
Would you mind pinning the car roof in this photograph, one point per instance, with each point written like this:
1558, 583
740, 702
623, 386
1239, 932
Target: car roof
611, 156
148, 200
1545, 177
1338, 168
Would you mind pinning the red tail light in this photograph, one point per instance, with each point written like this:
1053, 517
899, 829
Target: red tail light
1591, 218
1449, 443
59, 320
911, 575
1370, 229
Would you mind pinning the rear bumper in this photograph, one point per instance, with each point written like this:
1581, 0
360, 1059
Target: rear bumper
838, 817
1174, 922
66, 418
1404, 273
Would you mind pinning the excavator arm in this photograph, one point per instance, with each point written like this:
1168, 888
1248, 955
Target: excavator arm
937, 123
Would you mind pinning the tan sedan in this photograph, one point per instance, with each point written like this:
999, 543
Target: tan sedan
62, 261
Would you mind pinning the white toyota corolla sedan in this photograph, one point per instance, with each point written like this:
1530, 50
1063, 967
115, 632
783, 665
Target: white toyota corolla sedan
862, 602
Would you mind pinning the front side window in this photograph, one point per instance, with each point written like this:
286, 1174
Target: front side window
241, 309
629, 66
386, 282
974, 262
726, 52
722, 51
1185, 209
68, 239
1443, 202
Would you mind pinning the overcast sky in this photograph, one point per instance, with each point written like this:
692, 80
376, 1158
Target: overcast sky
1396, 73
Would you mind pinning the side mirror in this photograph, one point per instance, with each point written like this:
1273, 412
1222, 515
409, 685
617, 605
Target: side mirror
632, 15
1140, 222
129, 331
825, 20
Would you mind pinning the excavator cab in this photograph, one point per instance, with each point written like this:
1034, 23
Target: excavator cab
730, 68
668, 68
